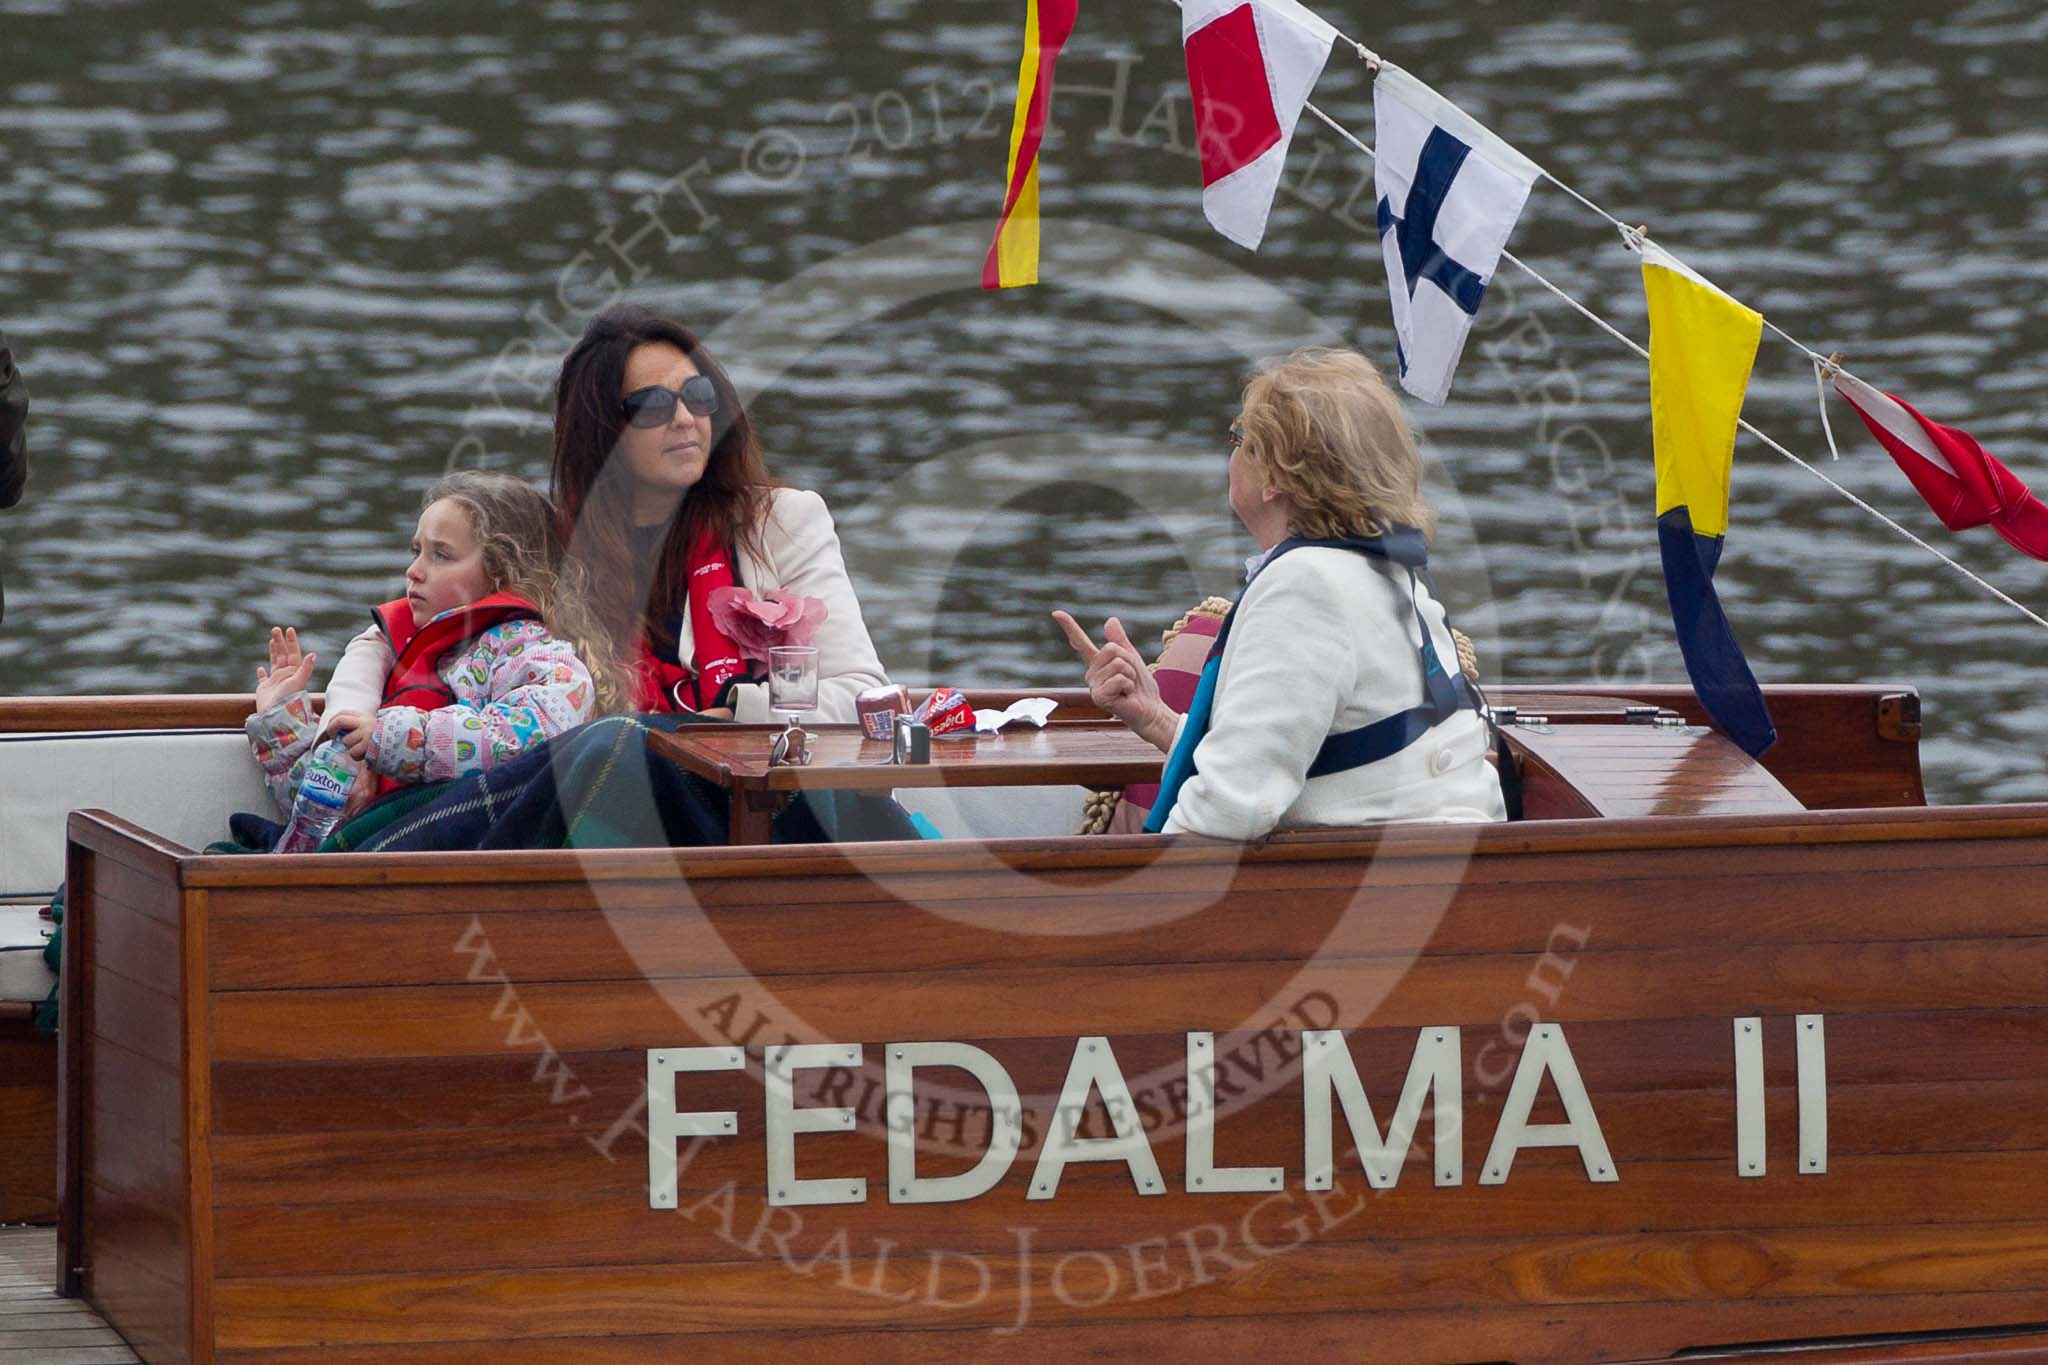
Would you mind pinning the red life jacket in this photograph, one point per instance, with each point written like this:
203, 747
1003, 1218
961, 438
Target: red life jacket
415, 678
659, 685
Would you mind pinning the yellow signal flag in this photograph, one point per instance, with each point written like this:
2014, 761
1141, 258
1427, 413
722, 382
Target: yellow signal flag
1703, 346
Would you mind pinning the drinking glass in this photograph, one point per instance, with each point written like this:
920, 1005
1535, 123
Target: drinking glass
792, 690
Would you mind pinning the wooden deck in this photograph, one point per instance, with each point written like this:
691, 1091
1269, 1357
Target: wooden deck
37, 1327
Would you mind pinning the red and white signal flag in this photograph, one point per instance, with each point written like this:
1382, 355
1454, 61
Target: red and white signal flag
1251, 67
1965, 485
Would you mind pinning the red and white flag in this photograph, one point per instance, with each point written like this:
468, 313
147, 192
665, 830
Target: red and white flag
1960, 480
1251, 66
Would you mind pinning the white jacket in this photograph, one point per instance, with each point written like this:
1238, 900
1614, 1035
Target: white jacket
1325, 642
799, 554
358, 681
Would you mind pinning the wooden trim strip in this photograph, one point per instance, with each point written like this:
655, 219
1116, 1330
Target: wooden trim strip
197, 1099
1532, 1336
361, 1310
1070, 892
227, 710
254, 951
73, 1068
1137, 998
1504, 1270
1104, 852
65, 715
834, 939
128, 843
2017, 1345
493, 1191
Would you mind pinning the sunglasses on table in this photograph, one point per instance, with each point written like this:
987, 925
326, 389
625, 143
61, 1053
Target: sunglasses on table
655, 406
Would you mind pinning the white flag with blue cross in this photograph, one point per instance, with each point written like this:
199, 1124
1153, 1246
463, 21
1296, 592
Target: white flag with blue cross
1449, 194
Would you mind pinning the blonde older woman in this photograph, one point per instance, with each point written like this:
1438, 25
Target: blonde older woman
1331, 696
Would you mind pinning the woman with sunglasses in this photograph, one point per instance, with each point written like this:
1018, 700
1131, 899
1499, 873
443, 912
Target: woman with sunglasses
1331, 695
664, 496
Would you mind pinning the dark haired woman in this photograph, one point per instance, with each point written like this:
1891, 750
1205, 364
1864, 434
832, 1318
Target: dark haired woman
665, 496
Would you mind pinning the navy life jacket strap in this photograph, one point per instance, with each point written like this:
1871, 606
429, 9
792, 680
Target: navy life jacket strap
1444, 694
1386, 737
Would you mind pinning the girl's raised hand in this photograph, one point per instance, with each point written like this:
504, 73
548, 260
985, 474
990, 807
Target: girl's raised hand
289, 670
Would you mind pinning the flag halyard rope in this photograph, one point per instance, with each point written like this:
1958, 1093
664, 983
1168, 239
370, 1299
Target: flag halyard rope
1629, 234
1825, 364
1633, 237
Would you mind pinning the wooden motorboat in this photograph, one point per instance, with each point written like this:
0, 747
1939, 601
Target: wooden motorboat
1698, 1056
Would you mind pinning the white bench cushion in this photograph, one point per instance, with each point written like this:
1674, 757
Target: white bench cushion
183, 785
997, 812
23, 932
179, 784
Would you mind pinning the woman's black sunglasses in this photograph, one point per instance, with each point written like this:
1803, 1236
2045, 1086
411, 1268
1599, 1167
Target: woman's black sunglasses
655, 406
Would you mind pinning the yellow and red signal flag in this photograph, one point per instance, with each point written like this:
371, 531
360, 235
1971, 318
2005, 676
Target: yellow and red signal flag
1013, 257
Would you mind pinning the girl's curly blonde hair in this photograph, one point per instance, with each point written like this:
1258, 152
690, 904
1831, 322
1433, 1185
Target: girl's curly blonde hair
515, 525
1324, 428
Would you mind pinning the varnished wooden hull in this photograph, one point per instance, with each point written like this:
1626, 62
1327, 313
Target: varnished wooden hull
28, 1122
323, 1108
390, 1107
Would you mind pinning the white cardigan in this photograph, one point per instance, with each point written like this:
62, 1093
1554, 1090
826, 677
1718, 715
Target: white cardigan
799, 554
1325, 642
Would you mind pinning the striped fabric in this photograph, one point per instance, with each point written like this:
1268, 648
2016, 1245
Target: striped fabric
1178, 671
1013, 256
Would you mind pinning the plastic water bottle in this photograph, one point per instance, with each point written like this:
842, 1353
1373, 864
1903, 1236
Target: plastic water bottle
330, 773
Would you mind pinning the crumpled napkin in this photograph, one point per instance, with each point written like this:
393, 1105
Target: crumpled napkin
1034, 709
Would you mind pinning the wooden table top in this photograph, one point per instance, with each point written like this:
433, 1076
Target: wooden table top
1063, 753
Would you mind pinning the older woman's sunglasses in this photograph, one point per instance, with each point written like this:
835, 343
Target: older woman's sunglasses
655, 406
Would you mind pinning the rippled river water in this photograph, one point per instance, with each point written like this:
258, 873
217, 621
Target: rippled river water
270, 267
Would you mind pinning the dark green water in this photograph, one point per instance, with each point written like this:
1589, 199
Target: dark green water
271, 267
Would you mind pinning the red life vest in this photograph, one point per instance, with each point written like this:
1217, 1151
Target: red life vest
659, 685
415, 678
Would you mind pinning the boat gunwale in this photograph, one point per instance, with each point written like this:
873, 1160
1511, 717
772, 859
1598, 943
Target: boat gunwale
227, 710
1069, 853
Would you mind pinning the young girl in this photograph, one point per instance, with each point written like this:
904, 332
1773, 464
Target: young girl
493, 649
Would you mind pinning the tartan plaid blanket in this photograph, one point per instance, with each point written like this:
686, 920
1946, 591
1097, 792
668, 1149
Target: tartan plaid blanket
600, 786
